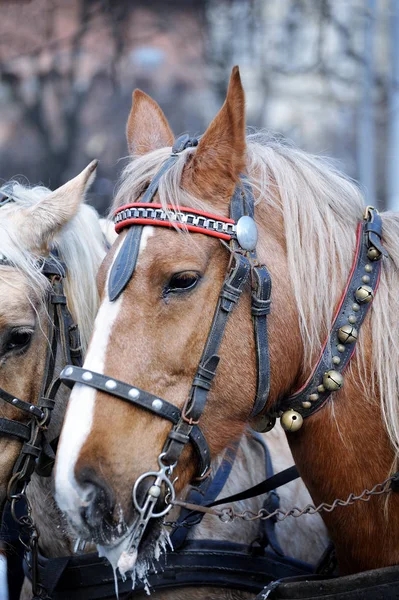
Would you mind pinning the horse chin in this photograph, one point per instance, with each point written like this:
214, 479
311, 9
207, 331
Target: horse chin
118, 553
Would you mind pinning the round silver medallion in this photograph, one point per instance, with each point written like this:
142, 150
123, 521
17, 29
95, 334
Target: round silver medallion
247, 233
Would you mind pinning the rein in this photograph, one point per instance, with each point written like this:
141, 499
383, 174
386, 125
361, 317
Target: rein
36, 453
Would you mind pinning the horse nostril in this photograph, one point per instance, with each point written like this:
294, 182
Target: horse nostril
97, 502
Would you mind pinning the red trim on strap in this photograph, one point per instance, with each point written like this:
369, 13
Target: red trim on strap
183, 226
174, 209
357, 252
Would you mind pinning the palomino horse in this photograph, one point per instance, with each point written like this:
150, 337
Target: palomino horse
73, 234
152, 328
42, 232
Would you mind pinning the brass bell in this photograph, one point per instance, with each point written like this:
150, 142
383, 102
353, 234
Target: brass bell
364, 294
291, 420
333, 380
373, 253
263, 423
347, 334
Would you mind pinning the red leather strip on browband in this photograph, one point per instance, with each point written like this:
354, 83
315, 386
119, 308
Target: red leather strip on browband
193, 211
183, 226
357, 251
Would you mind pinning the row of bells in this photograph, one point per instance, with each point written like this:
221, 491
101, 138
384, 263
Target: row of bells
291, 420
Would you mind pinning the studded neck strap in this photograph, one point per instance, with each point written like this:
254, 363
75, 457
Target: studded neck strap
339, 347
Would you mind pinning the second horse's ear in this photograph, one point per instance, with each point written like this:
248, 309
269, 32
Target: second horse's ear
147, 128
219, 159
38, 224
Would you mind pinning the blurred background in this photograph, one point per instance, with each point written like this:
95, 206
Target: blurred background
323, 73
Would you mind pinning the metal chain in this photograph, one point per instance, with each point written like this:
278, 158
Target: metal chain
228, 514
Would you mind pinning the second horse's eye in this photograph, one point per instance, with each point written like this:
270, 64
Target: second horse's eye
18, 339
182, 282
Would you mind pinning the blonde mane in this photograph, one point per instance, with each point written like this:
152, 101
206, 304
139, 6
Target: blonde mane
321, 208
80, 245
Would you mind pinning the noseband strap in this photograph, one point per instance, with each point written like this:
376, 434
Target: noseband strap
241, 233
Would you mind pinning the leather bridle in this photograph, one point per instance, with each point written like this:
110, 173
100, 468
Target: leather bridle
63, 337
239, 234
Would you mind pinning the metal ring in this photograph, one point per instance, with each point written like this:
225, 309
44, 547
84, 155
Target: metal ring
170, 491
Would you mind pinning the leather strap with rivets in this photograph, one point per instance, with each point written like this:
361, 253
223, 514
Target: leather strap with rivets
142, 399
327, 376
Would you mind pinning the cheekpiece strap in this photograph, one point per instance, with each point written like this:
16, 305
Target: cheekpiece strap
327, 376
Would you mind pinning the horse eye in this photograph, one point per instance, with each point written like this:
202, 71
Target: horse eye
182, 282
18, 339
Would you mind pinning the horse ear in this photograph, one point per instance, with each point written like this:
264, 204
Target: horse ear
216, 165
147, 128
38, 224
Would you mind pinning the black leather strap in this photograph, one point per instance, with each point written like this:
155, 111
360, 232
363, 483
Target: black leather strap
352, 312
15, 429
200, 563
266, 486
261, 300
71, 375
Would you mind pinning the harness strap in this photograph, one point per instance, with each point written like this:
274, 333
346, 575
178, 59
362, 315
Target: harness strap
199, 563
266, 486
15, 429
340, 344
206, 491
141, 398
262, 289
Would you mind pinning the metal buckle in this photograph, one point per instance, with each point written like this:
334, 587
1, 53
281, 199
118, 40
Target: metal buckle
184, 416
368, 212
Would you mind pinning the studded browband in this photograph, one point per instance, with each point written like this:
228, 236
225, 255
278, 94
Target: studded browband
339, 347
241, 232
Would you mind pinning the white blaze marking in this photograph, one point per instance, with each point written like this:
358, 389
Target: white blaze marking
79, 416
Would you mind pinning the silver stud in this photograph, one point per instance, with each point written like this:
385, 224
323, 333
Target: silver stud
321, 388
313, 397
157, 404
352, 319
341, 348
68, 371
133, 393
368, 268
336, 360
247, 233
87, 376
366, 278
110, 384
15, 401
31, 408
306, 404
355, 307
